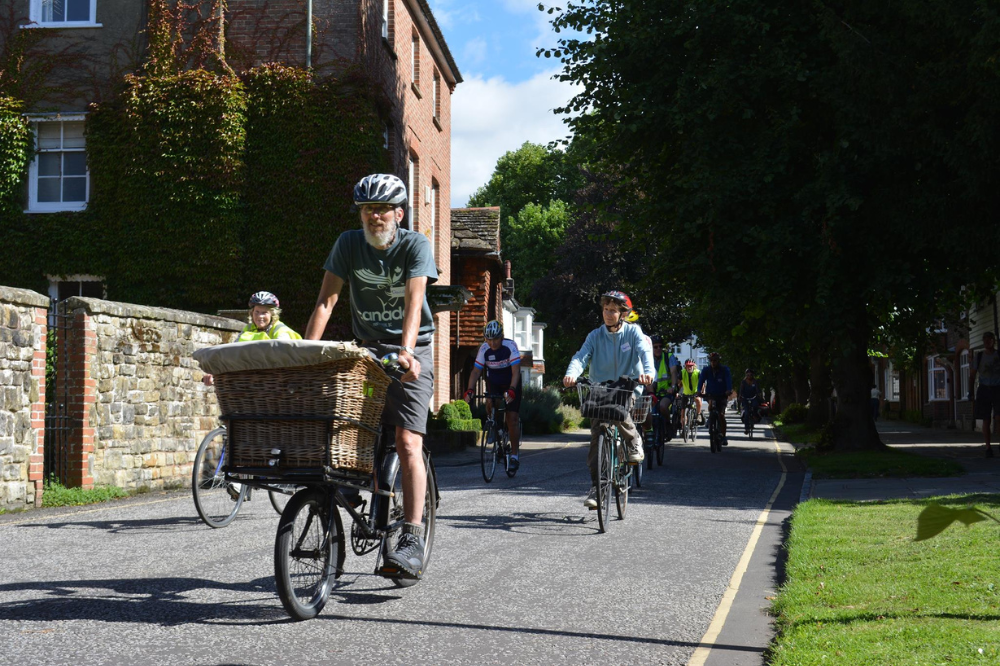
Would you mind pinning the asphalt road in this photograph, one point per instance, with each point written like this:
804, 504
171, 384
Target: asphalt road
519, 574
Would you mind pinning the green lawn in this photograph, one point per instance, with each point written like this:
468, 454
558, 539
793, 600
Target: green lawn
859, 590
876, 464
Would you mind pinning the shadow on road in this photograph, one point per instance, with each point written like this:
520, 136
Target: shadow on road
119, 526
551, 524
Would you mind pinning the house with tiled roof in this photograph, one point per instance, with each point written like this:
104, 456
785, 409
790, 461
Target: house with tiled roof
477, 265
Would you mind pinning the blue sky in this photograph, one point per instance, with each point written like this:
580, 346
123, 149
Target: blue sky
508, 94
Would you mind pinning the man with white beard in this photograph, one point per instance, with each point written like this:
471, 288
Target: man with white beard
388, 269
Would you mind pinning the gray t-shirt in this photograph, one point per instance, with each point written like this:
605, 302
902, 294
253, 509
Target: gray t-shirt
987, 368
377, 280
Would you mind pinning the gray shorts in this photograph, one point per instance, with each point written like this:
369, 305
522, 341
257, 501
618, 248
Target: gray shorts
407, 404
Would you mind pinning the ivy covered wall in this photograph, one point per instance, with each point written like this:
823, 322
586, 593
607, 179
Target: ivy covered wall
205, 187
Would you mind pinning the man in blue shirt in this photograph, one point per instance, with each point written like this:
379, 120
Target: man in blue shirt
716, 382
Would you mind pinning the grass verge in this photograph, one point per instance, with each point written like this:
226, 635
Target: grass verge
876, 464
860, 591
56, 494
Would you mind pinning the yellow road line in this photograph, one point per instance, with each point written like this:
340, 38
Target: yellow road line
719, 620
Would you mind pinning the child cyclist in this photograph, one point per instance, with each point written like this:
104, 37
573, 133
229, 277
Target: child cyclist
618, 348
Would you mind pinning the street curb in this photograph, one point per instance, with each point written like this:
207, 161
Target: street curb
806, 486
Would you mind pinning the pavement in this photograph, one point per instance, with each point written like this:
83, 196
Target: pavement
964, 447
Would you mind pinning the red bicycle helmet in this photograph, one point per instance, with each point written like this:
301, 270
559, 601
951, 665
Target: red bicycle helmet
619, 297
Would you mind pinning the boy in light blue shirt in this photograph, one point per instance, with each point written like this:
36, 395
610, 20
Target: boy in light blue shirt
616, 349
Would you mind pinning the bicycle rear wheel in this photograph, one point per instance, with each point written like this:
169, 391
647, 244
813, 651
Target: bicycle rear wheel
605, 480
216, 500
396, 514
488, 452
303, 553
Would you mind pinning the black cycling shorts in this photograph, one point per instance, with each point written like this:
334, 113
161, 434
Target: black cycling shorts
987, 403
720, 401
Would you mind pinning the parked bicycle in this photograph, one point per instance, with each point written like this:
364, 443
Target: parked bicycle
495, 447
332, 444
218, 499
608, 404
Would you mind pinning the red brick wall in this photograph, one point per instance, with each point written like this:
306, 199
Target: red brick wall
81, 347
37, 460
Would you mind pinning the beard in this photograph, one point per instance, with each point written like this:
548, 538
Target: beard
379, 239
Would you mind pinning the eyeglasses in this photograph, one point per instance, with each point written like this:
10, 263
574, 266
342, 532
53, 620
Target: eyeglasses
657, 346
379, 211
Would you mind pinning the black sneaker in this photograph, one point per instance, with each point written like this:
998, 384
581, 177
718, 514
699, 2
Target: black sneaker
407, 560
989, 452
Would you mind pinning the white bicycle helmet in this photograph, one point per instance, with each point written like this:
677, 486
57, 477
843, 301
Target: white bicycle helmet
380, 188
493, 330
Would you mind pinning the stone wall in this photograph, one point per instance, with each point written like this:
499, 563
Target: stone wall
143, 409
22, 396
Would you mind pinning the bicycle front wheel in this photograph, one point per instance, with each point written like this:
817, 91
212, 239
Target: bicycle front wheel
216, 500
489, 452
605, 481
623, 479
505, 452
303, 553
396, 514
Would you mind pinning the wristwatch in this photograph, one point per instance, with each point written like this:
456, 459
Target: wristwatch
408, 350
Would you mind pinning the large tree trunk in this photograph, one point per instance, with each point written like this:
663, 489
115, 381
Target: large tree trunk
853, 426
800, 382
820, 387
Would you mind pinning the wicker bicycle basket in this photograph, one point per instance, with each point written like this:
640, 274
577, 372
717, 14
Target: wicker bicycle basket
349, 388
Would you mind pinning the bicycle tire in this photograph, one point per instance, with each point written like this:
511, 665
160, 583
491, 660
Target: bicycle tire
429, 516
605, 479
489, 452
660, 449
279, 500
714, 443
654, 437
209, 488
623, 478
303, 553
506, 450
637, 472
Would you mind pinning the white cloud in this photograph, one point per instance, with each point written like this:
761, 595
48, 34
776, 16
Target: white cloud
490, 117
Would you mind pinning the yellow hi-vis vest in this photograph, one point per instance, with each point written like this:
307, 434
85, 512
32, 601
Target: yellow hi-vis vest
690, 381
277, 331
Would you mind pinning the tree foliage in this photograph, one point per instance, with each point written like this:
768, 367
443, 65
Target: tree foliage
837, 156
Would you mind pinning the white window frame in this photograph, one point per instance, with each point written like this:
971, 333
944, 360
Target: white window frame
436, 96
385, 19
34, 206
433, 201
891, 392
35, 15
412, 176
415, 59
932, 369
963, 373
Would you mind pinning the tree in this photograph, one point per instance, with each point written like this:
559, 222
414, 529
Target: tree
839, 156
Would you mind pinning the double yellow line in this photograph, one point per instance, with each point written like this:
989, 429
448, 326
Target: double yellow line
715, 627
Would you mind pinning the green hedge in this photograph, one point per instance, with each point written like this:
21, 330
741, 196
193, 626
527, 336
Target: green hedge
454, 415
794, 413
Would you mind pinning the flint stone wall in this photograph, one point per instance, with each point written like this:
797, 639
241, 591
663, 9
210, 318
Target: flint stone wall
147, 407
22, 396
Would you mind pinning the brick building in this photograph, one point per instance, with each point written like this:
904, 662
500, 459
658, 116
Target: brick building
396, 42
